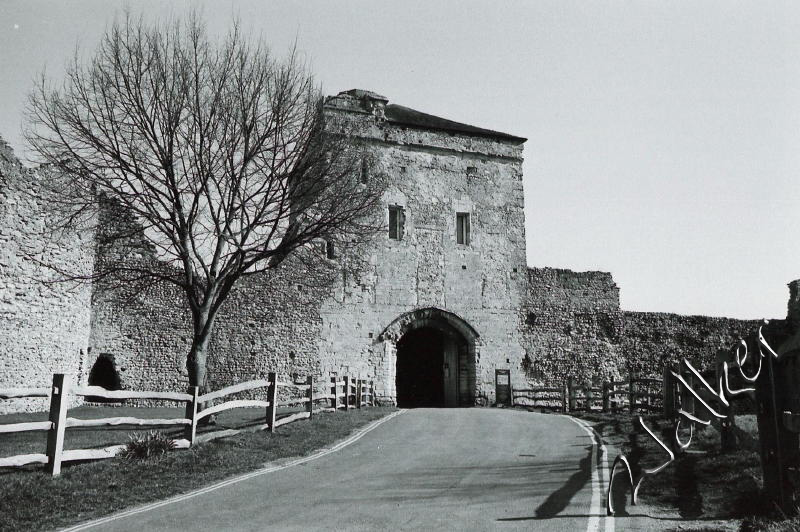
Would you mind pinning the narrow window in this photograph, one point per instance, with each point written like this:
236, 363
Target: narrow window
396, 222
330, 250
364, 170
462, 228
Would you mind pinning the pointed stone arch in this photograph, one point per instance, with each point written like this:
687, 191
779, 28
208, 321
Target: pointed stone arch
459, 353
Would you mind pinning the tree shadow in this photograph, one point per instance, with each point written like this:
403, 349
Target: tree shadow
560, 499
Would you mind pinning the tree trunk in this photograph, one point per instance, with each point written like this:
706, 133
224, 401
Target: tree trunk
196, 360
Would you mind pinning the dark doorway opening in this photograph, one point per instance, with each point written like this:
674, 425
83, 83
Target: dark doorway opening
420, 360
104, 374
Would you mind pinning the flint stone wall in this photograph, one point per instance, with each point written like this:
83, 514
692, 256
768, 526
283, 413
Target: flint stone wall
270, 322
652, 340
573, 327
44, 326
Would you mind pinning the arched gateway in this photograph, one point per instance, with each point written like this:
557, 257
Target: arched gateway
435, 353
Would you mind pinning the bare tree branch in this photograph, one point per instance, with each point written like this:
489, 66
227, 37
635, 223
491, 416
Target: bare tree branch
220, 151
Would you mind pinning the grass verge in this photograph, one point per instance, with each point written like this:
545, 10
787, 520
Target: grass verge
32, 500
702, 483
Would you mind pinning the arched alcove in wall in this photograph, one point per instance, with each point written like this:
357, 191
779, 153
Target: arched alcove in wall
104, 374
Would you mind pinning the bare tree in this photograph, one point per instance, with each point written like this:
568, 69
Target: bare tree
221, 152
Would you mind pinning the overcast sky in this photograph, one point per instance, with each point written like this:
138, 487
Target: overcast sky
662, 136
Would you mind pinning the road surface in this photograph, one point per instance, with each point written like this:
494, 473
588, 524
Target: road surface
425, 469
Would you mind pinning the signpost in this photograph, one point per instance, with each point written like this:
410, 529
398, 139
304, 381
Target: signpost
502, 387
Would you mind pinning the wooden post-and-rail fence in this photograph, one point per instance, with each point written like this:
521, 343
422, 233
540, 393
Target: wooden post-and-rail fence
362, 391
631, 395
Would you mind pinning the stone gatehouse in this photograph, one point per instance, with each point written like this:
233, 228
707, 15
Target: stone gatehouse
441, 300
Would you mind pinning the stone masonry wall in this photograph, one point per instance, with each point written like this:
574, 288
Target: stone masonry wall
652, 340
573, 327
299, 322
544, 324
44, 326
270, 322
433, 175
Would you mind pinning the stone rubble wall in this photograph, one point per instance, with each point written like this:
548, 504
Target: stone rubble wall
270, 322
145, 330
544, 324
573, 327
652, 340
44, 325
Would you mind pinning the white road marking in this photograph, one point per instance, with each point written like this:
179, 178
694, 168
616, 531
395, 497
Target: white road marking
258, 472
597, 508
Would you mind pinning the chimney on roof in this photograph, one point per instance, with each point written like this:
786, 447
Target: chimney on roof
369, 101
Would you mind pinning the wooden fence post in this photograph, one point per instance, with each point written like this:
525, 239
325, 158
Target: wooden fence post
571, 394
668, 384
606, 397
58, 417
371, 393
687, 399
631, 393
272, 397
310, 395
589, 396
334, 389
565, 398
359, 384
772, 436
190, 431
346, 392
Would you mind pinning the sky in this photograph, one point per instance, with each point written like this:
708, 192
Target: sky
662, 136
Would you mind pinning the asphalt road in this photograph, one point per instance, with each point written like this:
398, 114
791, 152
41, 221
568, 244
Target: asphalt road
426, 469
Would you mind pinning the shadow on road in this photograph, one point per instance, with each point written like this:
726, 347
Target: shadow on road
560, 499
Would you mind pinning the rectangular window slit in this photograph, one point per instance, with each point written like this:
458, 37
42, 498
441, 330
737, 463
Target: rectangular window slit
462, 228
396, 222
364, 170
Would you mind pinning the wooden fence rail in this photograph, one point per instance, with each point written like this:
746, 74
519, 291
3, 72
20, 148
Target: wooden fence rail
198, 407
634, 394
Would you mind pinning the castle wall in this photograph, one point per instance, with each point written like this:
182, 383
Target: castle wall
544, 324
298, 322
573, 327
270, 322
652, 340
44, 326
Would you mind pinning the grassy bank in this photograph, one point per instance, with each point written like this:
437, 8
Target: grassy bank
702, 483
32, 500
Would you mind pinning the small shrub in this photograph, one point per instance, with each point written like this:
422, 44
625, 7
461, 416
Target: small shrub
152, 444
